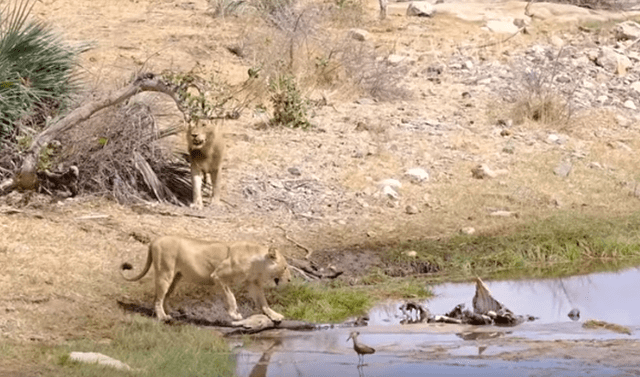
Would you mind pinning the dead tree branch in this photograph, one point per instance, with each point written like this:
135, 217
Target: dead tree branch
26, 178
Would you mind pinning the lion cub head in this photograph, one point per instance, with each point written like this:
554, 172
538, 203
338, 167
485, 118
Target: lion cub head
278, 269
201, 137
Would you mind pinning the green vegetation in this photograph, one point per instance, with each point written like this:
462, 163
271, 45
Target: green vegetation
289, 108
557, 246
148, 347
36, 71
317, 303
595, 324
337, 301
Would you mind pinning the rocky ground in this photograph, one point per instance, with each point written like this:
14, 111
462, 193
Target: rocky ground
450, 156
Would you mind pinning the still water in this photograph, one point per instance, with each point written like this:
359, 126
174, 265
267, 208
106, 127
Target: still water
452, 350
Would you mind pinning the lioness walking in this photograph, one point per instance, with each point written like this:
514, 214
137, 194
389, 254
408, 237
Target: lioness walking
221, 264
206, 150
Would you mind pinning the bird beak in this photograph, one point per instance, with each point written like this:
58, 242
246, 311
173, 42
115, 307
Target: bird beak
348, 338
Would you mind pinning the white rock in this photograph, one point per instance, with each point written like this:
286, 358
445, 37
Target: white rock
502, 27
420, 9
410, 253
627, 30
390, 192
629, 105
635, 86
395, 59
503, 214
417, 174
394, 183
97, 358
613, 61
468, 230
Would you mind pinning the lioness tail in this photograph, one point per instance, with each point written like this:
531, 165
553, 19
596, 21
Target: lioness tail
128, 266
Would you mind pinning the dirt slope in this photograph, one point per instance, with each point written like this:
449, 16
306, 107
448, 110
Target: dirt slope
61, 259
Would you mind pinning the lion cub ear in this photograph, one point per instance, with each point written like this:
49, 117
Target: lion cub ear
273, 253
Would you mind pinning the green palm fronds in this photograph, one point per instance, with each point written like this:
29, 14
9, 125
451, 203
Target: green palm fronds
36, 69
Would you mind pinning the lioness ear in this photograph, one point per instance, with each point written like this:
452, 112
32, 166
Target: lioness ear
273, 253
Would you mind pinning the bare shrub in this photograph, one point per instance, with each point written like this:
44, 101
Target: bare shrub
371, 71
224, 8
117, 155
540, 101
538, 96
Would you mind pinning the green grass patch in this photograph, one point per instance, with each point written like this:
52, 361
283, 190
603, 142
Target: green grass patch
320, 303
558, 246
150, 348
336, 301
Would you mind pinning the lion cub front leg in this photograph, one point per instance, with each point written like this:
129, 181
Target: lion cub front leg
197, 177
230, 299
257, 294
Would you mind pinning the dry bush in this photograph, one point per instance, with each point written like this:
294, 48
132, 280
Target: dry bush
117, 155
537, 94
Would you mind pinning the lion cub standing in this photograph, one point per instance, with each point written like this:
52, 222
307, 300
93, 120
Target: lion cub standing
206, 150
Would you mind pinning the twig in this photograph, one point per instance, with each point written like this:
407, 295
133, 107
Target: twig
309, 251
306, 276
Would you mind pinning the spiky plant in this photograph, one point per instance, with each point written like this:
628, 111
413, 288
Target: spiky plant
36, 70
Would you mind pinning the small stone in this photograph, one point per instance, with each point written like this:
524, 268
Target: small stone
468, 230
420, 9
395, 59
394, 183
635, 86
602, 99
294, 171
389, 192
557, 41
97, 358
563, 169
629, 105
503, 214
411, 210
359, 34
468, 65
417, 174
410, 253
371, 234
482, 171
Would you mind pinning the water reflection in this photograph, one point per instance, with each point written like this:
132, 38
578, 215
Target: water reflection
260, 369
612, 297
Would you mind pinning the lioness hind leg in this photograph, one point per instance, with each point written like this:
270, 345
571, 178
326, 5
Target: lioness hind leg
163, 285
230, 299
257, 294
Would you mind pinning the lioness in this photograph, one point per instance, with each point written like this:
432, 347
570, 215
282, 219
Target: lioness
206, 150
220, 264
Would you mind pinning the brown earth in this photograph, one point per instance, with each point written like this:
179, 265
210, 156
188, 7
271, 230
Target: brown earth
59, 260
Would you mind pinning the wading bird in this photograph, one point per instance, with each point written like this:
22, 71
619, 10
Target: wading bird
361, 349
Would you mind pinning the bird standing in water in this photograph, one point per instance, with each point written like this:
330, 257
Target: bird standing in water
361, 349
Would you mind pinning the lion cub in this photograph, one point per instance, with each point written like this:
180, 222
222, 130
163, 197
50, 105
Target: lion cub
206, 150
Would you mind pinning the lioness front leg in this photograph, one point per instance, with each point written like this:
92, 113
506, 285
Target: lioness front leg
230, 299
215, 186
196, 181
257, 294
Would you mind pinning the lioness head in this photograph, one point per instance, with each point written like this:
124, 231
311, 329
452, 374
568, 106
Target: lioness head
279, 269
200, 134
